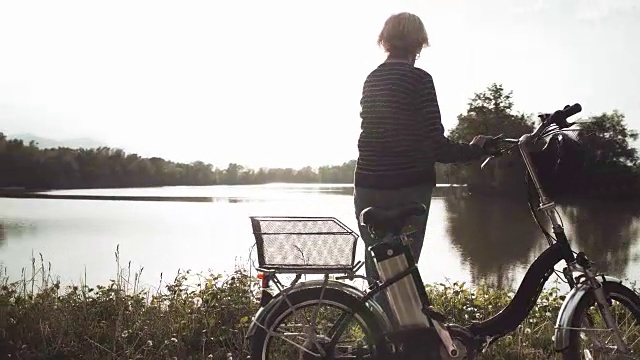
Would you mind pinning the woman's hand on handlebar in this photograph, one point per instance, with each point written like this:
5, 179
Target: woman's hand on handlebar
491, 145
488, 143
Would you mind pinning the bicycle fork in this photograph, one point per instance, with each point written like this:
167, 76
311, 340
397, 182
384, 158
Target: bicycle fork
605, 310
591, 283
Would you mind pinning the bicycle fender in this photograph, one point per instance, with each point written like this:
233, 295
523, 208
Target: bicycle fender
260, 318
568, 308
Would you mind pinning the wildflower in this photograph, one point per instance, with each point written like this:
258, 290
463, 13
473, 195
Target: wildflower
149, 343
174, 340
125, 333
197, 302
527, 331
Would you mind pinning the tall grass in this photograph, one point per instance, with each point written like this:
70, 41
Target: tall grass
533, 339
198, 316
120, 320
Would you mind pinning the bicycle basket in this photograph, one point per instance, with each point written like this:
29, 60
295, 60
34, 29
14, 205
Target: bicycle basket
304, 244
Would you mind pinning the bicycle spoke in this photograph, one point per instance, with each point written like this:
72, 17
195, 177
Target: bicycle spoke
296, 336
604, 347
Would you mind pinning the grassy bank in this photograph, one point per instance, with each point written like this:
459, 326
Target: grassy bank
206, 319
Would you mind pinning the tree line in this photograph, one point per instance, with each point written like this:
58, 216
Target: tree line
25, 165
610, 163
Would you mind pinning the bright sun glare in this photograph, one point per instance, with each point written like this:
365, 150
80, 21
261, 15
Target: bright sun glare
278, 83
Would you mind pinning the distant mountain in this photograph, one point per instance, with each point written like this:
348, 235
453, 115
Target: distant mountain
45, 143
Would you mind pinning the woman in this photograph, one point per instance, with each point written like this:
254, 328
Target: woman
402, 135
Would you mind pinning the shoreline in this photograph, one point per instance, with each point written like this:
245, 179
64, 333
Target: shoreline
34, 195
21, 193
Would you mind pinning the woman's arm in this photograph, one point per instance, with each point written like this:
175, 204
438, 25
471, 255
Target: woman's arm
444, 150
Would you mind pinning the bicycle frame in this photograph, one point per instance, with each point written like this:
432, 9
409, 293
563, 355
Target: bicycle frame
535, 278
539, 272
509, 318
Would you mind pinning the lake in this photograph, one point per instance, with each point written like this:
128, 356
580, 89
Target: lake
473, 240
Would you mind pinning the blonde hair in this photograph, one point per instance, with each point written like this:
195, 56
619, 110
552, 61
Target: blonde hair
403, 35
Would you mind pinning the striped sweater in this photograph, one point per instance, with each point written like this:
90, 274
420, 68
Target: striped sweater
402, 136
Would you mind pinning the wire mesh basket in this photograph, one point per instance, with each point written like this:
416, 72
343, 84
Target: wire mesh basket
304, 244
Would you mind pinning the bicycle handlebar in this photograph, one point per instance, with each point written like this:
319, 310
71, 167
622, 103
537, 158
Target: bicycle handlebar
569, 111
558, 118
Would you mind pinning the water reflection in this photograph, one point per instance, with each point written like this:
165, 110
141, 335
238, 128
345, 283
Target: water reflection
14, 230
606, 232
493, 236
340, 190
3, 236
440, 190
498, 237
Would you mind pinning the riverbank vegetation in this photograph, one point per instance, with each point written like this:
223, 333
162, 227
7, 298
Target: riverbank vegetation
199, 316
605, 164
611, 164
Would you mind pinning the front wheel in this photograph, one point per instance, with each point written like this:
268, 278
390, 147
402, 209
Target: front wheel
302, 325
589, 338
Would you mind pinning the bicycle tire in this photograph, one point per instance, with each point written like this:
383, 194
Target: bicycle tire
258, 341
622, 294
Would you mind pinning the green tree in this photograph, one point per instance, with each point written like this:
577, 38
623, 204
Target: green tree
607, 140
611, 163
233, 173
491, 113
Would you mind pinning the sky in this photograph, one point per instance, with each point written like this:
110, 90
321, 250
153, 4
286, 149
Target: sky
278, 83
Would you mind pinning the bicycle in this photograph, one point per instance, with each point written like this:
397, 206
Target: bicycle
317, 245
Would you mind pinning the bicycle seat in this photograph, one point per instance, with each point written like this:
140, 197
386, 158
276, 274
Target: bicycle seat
390, 220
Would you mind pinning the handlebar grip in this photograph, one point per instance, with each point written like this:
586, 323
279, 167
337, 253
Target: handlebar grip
560, 116
571, 110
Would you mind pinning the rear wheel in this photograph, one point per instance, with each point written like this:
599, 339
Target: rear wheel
591, 339
305, 322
